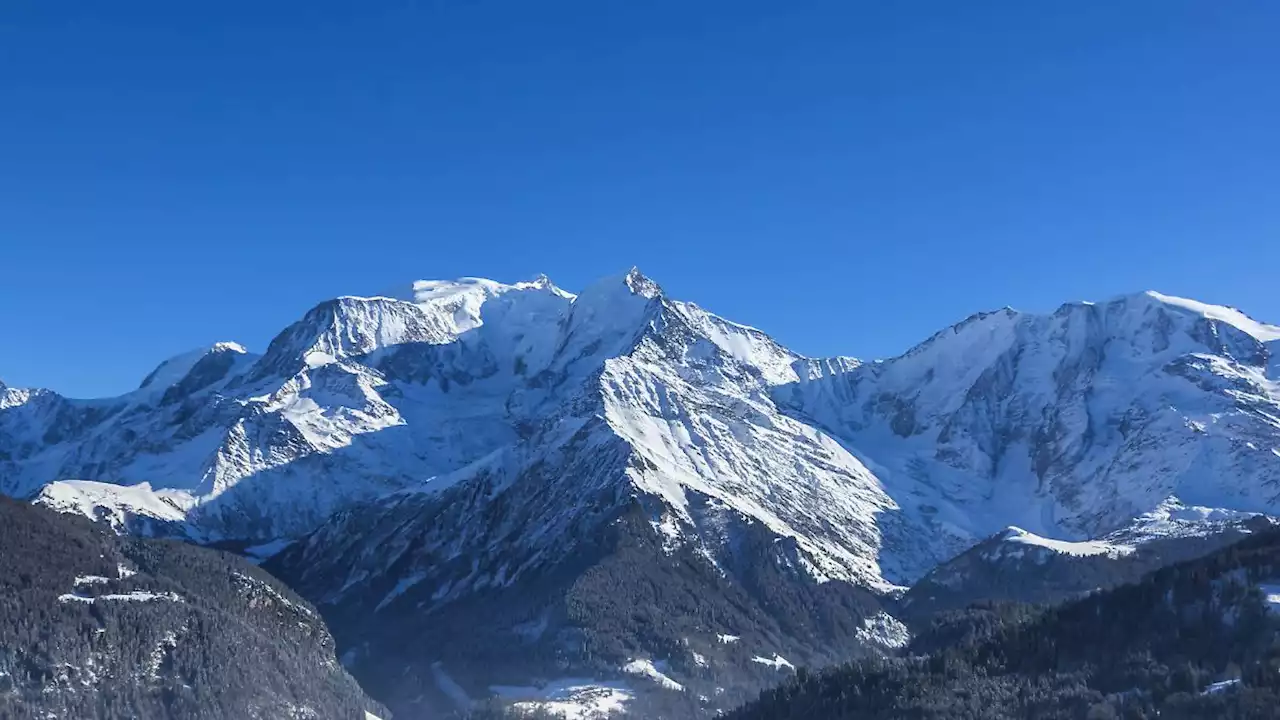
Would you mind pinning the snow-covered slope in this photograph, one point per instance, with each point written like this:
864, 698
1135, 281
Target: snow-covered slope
1068, 425
367, 396
267, 446
648, 431
133, 509
1015, 565
505, 444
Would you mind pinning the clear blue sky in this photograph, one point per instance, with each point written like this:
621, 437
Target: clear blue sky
849, 176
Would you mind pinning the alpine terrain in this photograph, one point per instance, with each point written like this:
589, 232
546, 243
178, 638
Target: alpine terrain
1196, 641
618, 501
97, 626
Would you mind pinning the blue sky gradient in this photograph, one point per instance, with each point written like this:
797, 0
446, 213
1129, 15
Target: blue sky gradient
848, 176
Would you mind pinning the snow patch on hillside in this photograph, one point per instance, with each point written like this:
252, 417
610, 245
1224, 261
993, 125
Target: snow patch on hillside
885, 630
777, 662
1172, 518
1271, 596
90, 580
1220, 686
570, 698
264, 588
135, 596
1086, 548
113, 503
647, 668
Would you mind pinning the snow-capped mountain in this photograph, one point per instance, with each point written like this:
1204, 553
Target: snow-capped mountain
366, 396
1068, 425
519, 448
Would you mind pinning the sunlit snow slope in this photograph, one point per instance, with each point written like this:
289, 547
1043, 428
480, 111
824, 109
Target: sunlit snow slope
515, 448
1067, 425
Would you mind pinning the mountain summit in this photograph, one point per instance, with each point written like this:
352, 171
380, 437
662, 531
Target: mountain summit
507, 469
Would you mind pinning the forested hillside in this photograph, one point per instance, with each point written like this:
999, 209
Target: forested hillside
1195, 640
97, 626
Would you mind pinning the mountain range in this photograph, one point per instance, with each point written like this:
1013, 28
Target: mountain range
616, 499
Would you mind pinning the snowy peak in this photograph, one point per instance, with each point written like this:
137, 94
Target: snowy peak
461, 304
456, 303
1151, 323
351, 326
1066, 424
1228, 315
641, 285
619, 287
473, 291
608, 317
976, 329
194, 370
1154, 324
441, 447
174, 369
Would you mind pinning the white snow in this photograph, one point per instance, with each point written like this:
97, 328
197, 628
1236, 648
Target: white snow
318, 358
1019, 536
1231, 316
570, 698
1271, 596
885, 630
260, 586
135, 596
1172, 518
172, 371
1220, 686
166, 644
1103, 395
646, 668
463, 305
91, 580
717, 440
728, 639
777, 662
93, 499
1066, 426
745, 344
